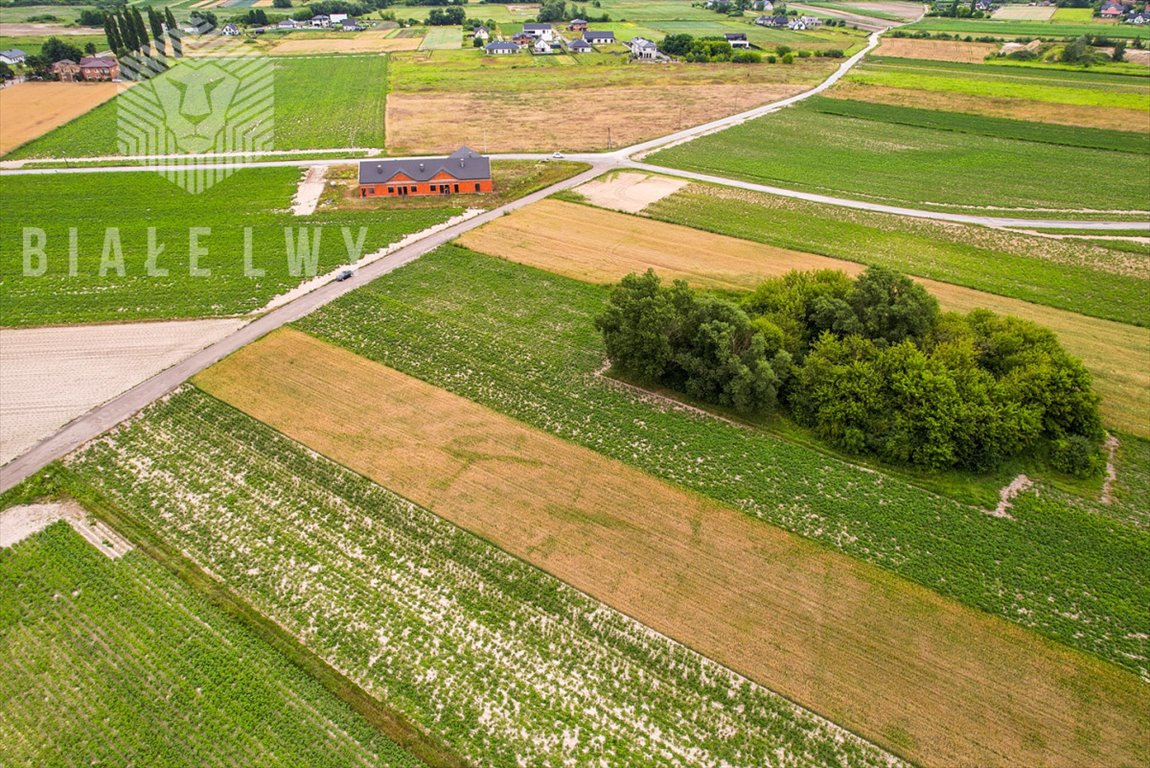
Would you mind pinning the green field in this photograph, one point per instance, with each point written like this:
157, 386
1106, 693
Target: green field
1029, 29
473, 324
347, 90
1000, 127
1073, 16
133, 202
503, 663
442, 39
1065, 274
1054, 86
117, 662
31, 44
890, 163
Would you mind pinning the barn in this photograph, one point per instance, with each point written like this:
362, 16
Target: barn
462, 172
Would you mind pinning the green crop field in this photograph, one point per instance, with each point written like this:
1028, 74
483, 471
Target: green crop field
1065, 274
474, 325
1054, 28
347, 90
31, 44
442, 39
500, 661
890, 163
1003, 128
133, 202
1053, 86
117, 662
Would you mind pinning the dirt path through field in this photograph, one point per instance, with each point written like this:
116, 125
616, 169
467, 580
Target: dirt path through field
602, 246
938, 683
308, 192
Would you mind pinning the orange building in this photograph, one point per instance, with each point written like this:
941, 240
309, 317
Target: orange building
462, 172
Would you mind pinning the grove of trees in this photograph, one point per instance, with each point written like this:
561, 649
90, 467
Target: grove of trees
869, 365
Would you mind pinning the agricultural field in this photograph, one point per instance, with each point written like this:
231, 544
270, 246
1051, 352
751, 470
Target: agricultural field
348, 90
371, 41
99, 293
31, 44
1060, 567
886, 162
519, 103
30, 110
936, 50
1088, 99
501, 662
603, 246
1055, 28
442, 39
119, 662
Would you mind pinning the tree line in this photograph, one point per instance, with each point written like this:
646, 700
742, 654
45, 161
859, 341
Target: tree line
870, 365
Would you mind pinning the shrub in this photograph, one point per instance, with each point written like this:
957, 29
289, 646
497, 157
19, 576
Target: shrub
789, 58
1076, 456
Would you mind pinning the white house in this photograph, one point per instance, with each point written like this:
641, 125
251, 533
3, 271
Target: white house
542, 46
482, 33
230, 30
337, 19
12, 56
599, 37
642, 48
537, 30
737, 39
499, 48
580, 46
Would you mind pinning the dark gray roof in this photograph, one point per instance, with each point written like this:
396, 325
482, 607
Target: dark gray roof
13, 53
97, 61
529, 27
580, 43
735, 35
464, 164
597, 34
499, 45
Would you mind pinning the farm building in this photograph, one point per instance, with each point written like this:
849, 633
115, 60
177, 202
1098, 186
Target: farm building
598, 37
481, 33
737, 39
500, 48
231, 30
66, 70
463, 171
12, 56
99, 68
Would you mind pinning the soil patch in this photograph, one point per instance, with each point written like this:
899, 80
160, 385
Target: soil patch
629, 192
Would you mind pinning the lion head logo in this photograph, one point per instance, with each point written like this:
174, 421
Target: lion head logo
195, 120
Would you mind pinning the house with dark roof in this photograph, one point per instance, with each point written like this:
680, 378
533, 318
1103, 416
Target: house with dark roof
12, 56
642, 48
1142, 17
523, 39
737, 39
777, 22
598, 37
462, 172
579, 45
501, 48
99, 68
1112, 10
536, 30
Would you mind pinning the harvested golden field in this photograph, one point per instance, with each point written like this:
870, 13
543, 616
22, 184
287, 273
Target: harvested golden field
602, 246
936, 50
942, 684
372, 41
30, 110
1113, 118
575, 120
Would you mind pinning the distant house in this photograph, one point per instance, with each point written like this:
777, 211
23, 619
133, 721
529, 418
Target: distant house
320, 20
99, 68
577, 25
523, 39
1142, 17
12, 56
336, 19
801, 23
983, 5
349, 25
499, 48
65, 70
542, 47
230, 30
482, 33
772, 21
462, 172
737, 39
598, 37
537, 30
289, 24
581, 46
1112, 10
642, 48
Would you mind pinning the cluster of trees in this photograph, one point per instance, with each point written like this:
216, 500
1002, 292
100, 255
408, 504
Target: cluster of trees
556, 10
448, 16
1082, 51
129, 35
706, 49
870, 365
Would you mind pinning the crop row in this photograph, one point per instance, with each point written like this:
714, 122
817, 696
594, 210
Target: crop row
523, 342
505, 664
118, 663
